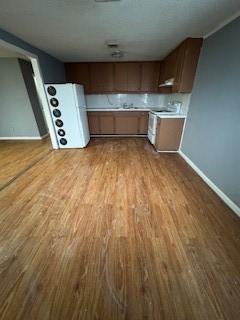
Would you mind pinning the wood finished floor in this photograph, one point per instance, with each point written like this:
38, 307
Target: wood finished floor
17, 156
116, 231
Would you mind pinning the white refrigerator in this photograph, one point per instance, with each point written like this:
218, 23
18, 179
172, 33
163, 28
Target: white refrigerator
68, 110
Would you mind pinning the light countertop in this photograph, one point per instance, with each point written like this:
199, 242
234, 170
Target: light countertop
120, 109
160, 115
171, 116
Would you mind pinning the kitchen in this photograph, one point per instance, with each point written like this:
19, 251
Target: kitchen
129, 209
140, 99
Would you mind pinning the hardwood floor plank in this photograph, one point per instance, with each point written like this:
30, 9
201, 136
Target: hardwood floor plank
18, 156
116, 231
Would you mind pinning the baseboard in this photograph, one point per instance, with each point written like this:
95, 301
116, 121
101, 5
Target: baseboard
165, 151
218, 191
45, 136
24, 138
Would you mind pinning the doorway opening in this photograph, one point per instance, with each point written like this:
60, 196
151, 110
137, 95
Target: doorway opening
26, 135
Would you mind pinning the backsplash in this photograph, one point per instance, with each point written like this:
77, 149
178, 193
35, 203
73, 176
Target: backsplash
111, 101
182, 97
117, 100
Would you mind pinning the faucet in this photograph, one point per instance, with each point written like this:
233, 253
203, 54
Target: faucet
127, 106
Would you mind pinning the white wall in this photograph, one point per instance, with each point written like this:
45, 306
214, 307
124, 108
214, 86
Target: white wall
16, 114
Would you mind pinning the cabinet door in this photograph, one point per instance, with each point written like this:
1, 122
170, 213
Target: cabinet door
127, 77
163, 78
169, 133
107, 123
78, 73
171, 65
133, 76
181, 64
126, 123
131, 122
120, 77
143, 123
94, 122
188, 57
101, 77
150, 76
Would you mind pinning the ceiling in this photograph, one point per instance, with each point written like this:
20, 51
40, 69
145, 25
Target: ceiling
77, 30
5, 53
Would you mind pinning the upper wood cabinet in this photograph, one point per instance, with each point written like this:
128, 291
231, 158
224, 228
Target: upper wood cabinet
181, 64
188, 56
101, 77
133, 76
78, 73
127, 76
107, 77
120, 77
150, 76
171, 62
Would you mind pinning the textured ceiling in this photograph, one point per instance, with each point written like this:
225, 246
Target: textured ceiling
76, 30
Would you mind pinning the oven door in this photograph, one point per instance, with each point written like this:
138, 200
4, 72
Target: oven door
152, 127
151, 137
152, 123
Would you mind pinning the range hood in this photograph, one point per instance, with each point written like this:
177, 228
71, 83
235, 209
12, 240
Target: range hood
167, 83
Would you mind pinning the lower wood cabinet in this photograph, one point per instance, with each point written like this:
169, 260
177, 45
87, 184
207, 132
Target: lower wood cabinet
169, 133
126, 123
94, 123
106, 122
118, 122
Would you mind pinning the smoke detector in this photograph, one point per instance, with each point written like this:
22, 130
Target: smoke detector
112, 44
117, 54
